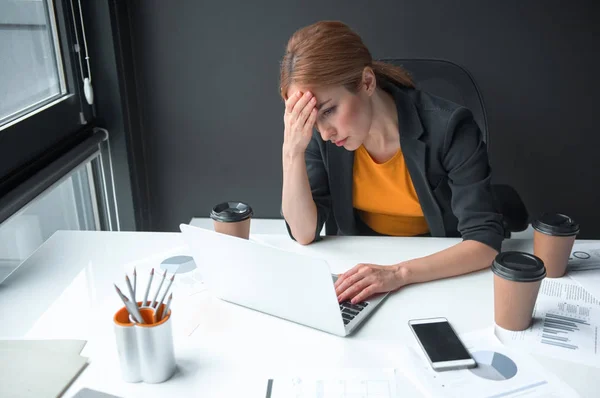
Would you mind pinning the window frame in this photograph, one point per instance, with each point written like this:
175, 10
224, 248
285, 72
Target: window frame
30, 142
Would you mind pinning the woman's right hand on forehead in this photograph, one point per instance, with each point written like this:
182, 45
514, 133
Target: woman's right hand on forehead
299, 119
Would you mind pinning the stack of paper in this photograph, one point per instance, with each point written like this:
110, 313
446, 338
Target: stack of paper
39, 368
325, 383
584, 256
342, 383
584, 266
500, 372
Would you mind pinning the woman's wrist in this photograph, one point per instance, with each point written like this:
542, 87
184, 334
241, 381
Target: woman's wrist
290, 157
403, 273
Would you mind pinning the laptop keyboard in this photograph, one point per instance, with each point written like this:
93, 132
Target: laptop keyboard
350, 311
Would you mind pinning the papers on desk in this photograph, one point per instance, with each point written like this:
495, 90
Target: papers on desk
500, 372
584, 267
338, 383
190, 283
39, 368
584, 256
89, 393
565, 324
589, 280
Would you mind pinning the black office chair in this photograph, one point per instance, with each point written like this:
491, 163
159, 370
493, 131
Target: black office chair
453, 82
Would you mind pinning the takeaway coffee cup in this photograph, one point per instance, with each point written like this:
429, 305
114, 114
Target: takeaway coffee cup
232, 218
517, 280
553, 238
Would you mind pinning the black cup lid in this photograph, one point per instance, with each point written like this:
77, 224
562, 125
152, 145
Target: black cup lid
519, 267
556, 224
231, 212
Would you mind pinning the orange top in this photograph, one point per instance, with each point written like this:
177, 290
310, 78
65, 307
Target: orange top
385, 197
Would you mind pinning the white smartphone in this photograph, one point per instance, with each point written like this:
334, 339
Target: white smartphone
441, 344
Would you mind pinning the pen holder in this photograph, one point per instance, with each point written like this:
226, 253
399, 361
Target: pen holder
145, 350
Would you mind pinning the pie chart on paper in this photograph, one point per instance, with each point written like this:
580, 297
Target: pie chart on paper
492, 365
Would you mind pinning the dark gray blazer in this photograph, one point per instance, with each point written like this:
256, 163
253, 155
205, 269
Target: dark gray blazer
447, 161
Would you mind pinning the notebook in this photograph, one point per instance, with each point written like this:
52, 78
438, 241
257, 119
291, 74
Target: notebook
39, 368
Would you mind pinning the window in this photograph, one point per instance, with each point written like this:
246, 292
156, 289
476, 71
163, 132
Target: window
69, 205
32, 74
41, 101
74, 193
55, 167
52, 173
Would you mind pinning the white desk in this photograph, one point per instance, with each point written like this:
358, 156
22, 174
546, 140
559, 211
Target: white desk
276, 226
64, 290
270, 226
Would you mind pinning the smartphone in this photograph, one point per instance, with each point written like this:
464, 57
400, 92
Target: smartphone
441, 344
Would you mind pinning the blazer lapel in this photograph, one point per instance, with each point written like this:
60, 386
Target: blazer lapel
415, 152
341, 167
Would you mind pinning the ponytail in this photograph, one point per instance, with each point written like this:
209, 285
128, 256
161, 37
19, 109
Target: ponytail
394, 73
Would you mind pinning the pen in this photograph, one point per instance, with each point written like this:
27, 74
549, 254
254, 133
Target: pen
148, 288
130, 290
135, 285
158, 290
157, 308
166, 291
133, 310
166, 311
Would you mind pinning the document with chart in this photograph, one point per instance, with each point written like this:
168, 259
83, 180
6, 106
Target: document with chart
335, 383
584, 266
500, 372
565, 324
584, 256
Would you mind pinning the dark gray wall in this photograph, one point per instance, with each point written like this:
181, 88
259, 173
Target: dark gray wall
212, 121
110, 105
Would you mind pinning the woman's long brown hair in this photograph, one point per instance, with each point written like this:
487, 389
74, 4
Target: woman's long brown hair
329, 53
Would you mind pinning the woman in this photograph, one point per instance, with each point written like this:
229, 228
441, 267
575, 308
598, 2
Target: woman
365, 147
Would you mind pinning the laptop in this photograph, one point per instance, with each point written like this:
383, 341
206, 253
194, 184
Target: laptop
287, 285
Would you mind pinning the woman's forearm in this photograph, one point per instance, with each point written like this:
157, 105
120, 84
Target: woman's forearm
298, 206
465, 257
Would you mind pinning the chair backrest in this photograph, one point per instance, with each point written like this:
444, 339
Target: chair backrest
450, 81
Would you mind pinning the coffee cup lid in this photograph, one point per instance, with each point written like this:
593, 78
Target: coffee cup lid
231, 212
556, 224
519, 267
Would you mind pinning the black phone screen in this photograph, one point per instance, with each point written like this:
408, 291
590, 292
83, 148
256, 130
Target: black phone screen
440, 342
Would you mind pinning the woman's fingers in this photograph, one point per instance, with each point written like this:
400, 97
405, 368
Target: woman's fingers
361, 282
365, 294
354, 289
305, 113
365, 280
291, 102
310, 122
347, 274
299, 119
299, 106
349, 281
